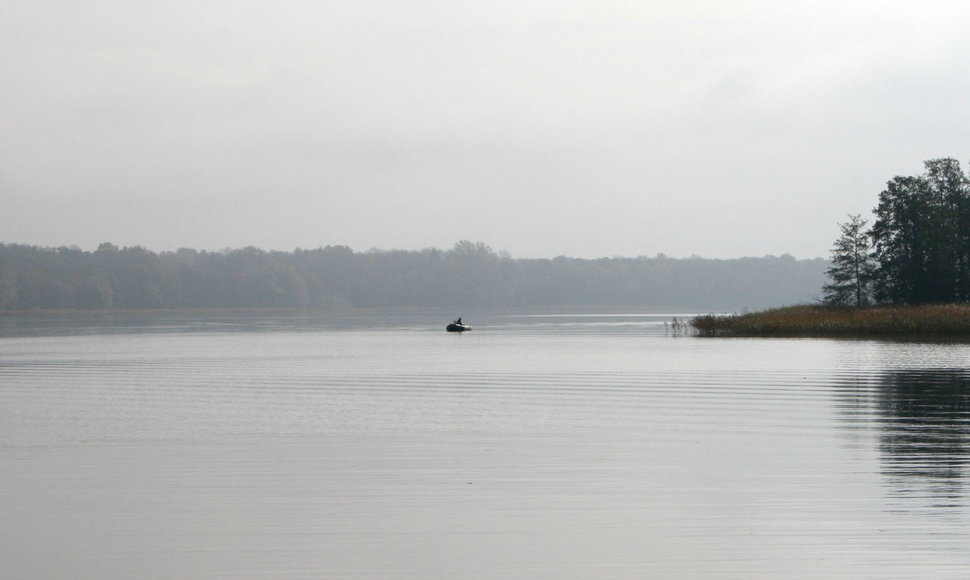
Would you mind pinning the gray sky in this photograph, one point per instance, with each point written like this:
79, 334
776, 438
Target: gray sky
545, 128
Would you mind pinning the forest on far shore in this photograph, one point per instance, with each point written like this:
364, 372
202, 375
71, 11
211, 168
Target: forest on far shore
467, 275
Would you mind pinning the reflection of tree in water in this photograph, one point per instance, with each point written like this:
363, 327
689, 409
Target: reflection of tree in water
924, 429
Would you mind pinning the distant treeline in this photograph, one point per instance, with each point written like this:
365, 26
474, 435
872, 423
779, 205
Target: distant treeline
467, 275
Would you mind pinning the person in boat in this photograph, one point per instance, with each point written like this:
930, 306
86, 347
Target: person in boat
458, 322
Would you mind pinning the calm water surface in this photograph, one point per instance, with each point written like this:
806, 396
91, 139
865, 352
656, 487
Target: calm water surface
369, 445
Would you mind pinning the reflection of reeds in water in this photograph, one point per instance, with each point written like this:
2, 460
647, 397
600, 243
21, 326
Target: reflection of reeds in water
936, 319
678, 326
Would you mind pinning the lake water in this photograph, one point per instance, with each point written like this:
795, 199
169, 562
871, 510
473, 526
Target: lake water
376, 445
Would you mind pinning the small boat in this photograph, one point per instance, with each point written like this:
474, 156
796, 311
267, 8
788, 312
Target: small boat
457, 327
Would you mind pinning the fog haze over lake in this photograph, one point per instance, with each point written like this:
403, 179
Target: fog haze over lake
490, 154
618, 128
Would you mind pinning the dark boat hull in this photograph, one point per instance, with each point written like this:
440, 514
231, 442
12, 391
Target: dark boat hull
457, 327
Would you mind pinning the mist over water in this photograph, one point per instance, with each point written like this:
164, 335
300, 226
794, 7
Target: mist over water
562, 445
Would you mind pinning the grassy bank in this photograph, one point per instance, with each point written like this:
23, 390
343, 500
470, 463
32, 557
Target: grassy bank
809, 320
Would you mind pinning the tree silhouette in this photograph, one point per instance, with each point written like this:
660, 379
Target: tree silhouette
852, 267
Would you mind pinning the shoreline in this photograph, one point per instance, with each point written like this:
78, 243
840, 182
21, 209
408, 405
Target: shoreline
943, 320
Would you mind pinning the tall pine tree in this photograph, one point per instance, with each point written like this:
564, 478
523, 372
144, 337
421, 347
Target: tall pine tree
852, 267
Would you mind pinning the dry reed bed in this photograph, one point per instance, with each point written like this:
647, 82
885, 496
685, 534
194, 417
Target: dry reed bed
937, 319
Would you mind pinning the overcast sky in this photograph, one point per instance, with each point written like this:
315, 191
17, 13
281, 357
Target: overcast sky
544, 128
